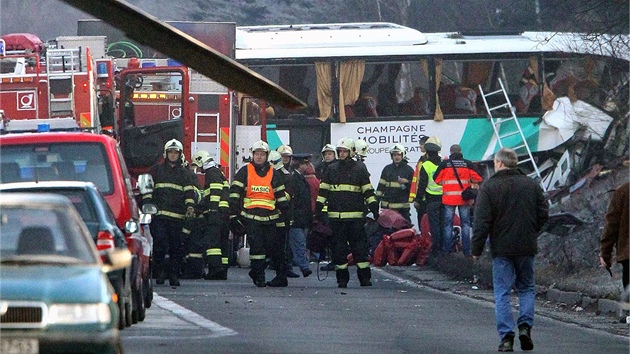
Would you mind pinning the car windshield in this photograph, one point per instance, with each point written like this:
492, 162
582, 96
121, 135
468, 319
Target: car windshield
56, 162
35, 234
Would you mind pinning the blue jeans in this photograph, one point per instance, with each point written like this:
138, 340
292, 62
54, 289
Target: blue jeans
464, 218
297, 242
517, 271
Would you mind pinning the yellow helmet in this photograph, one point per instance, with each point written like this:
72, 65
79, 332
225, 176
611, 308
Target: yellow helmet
346, 143
200, 158
433, 144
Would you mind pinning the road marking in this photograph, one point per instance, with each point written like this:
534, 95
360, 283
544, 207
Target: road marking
171, 318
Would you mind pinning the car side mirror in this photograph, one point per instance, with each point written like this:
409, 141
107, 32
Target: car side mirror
131, 227
149, 208
145, 183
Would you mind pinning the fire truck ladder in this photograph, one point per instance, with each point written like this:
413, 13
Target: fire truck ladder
61, 66
514, 131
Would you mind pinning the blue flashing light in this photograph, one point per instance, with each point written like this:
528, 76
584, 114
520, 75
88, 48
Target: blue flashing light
43, 128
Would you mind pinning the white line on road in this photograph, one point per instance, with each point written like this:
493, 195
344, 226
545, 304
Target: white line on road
175, 317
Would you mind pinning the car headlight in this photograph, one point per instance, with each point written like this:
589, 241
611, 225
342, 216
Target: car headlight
79, 313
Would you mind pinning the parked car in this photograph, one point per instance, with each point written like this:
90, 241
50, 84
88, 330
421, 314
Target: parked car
82, 156
54, 293
101, 223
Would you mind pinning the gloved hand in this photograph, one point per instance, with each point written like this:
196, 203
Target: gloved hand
190, 212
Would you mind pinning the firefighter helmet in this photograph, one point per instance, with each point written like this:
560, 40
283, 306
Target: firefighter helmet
173, 144
200, 158
329, 147
285, 150
275, 159
433, 144
362, 147
398, 148
260, 146
346, 143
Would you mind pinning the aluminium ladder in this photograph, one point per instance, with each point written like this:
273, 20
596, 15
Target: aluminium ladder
517, 132
61, 66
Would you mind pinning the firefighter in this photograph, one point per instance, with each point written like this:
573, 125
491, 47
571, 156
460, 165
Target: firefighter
214, 209
329, 155
345, 188
193, 232
286, 152
420, 205
394, 184
284, 223
257, 198
173, 195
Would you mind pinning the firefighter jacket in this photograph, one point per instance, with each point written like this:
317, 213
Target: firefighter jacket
287, 179
445, 176
414, 180
215, 192
391, 193
173, 190
427, 189
345, 188
257, 193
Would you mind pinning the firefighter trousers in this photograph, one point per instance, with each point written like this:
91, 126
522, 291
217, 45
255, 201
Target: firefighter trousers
349, 232
167, 239
265, 242
213, 244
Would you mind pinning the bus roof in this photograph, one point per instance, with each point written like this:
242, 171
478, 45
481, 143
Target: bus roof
376, 39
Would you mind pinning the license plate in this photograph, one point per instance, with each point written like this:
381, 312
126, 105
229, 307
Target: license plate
19, 346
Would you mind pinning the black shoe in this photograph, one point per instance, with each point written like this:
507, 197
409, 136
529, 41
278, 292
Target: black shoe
507, 344
366, 283
216, 275
173, 281
259, 280
292, 274
160, 281
342, 285
525, 337
192, 276
278, 282
307, 272
328, 267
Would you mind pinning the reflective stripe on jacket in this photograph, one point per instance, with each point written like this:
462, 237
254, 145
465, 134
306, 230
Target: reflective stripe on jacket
445, 176
432, 187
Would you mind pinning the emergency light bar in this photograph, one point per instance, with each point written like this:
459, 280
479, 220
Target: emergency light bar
2, 47
41, 125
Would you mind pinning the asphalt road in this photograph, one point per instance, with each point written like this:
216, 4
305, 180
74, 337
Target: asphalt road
396, 315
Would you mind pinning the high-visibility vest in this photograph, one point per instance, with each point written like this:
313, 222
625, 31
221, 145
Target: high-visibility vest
259, 193
432, 187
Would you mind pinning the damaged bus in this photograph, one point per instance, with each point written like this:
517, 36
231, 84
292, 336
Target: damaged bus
390, 84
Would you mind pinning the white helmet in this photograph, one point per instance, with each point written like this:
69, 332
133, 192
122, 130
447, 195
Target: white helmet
285, 150
200, 158
329, 147
173, 144
362, 147
275, 159
260, 146
346, 143
398, 148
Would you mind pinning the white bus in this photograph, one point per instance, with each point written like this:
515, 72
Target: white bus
390, 84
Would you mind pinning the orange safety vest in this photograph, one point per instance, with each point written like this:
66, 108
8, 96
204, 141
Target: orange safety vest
259, 192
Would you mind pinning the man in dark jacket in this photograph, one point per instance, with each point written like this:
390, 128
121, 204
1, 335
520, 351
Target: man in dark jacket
302, 213
395, 183
511, 209
174, 197
345, 189
615, 234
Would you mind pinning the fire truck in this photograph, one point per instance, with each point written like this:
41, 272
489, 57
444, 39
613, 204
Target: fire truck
56, 80
143, 102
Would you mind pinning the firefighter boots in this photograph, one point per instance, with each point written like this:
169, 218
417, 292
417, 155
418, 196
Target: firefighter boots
161, 274
258, 278
343, 276
216, 274
173, 278
278, 282
364, 275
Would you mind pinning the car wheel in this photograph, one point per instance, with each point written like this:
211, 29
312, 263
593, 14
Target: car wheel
121, 313
142, 310
139, 311
128, 312
147, 287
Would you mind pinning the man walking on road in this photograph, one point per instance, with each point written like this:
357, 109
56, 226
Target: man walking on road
511, 209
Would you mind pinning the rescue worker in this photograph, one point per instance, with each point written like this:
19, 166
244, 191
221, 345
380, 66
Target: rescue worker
345, 188
419, 206
257, 197
173, 195
430, 193
286, 152
193, 232
394, 184
284, 223
215, 211
361, 147
329, 155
